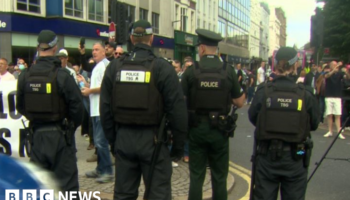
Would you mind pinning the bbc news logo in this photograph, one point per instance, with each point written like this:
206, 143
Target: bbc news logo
49, 195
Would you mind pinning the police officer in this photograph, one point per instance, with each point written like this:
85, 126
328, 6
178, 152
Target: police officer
283, 113
136, 91
210, 87
49, 98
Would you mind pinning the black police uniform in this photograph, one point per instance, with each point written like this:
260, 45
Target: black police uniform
134, 143
281, 164
209, 87
51, 149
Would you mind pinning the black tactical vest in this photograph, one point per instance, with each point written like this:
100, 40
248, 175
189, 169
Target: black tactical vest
42, 101
136, 99
210, 92
283, 115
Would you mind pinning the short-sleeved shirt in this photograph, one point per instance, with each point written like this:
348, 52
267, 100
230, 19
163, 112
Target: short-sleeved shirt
206, 62
334, 85
7, 77
261, 76
252, 76
96, 80
240, 74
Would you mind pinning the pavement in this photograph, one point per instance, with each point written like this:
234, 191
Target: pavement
179, 182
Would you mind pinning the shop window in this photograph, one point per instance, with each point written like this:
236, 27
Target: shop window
32, 6
95, 10
131, 13
184, 19
74, 8
143, 14
155, 22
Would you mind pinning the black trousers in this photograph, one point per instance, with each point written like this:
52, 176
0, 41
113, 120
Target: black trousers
134, 148
286, 174
51, 152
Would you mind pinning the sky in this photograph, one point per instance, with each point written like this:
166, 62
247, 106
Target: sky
298, 14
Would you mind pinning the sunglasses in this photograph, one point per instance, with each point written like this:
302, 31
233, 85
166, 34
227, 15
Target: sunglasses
117, 53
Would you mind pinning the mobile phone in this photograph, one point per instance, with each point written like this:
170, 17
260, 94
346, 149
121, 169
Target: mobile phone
82, 42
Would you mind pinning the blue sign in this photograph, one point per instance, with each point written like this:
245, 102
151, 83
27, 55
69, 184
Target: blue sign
61, 26
5, 23
237, 59
163, 42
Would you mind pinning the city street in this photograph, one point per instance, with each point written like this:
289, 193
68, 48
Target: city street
329, 182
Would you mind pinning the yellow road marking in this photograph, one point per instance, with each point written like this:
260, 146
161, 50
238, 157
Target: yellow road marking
244, 170
244, 174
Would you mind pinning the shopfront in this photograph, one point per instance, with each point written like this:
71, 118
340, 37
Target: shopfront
163, 46
185, 46
18, 35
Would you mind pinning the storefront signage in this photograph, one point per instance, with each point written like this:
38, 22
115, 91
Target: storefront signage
189, 39
2, 24
5, 22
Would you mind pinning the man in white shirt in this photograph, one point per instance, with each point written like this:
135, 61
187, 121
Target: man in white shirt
63, 56
261, 74
103, 172
4, 74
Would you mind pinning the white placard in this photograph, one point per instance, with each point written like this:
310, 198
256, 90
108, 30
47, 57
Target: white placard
11, 127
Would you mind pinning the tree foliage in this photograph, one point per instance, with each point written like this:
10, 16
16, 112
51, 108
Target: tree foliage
337, 28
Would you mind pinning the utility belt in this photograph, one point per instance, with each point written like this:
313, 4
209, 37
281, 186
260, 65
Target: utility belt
64, 127
226, 124
276, 149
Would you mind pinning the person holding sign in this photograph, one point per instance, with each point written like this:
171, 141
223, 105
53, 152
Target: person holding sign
283, 113
49, 98
136, 92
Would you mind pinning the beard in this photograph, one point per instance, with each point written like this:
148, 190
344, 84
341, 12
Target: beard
109, 54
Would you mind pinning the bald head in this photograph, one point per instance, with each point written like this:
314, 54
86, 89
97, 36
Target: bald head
333, 64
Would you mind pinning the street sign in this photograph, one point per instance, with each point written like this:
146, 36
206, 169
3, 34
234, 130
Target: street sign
326, 51
112, 32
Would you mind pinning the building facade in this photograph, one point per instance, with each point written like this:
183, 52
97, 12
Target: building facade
234, 26
184, 23
254, 38
207, 14
264, 31
73, 19
283, 28
274, 32
159, 13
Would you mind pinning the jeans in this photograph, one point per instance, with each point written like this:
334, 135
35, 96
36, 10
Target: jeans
104, 163
186, 152
251, 91
321, 102
86, 103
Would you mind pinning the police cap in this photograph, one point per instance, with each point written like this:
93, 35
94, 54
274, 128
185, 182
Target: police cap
142, 24
287, 53
47, 39
208, 38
